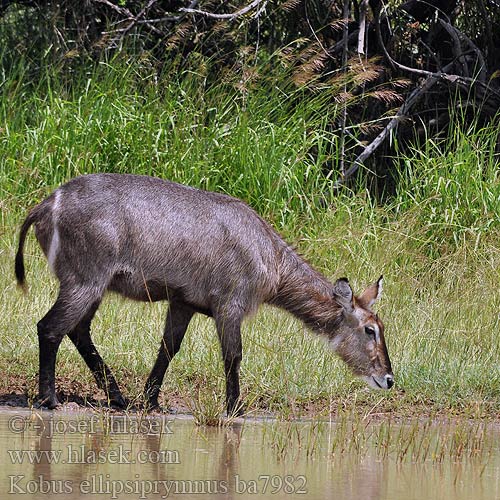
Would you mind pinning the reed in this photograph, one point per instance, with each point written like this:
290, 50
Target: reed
417, 441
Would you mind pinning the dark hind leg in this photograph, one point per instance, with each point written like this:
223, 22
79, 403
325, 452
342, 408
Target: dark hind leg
80, 336
69, 309
178, 318
229, 333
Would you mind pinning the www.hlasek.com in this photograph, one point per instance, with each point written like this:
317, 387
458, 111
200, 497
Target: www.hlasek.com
80, 454
103, 484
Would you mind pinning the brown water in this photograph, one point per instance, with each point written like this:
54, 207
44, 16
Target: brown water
67, 456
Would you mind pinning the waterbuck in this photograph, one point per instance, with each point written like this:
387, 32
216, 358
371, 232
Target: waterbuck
150, 239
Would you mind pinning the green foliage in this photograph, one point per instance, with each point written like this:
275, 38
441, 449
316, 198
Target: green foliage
452, 187
263, 145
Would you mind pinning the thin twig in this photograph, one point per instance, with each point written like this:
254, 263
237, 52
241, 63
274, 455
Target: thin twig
323, 48
158, 20
261, 9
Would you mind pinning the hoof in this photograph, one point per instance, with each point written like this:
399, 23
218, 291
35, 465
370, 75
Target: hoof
237, 410
151, 404
118, 401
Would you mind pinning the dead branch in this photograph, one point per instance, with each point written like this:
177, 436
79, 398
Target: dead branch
458, 35
120, 10
121, 33
345, 41
138, 19
363, 8
412, 99
457, 47
415, 96
441, 75
234, 15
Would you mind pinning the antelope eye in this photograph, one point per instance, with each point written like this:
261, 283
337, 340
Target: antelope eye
369, 330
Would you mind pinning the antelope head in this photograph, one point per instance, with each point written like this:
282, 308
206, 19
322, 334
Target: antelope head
359, 337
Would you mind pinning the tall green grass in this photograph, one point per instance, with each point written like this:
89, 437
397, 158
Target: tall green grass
265, 146
453, 186
435, 241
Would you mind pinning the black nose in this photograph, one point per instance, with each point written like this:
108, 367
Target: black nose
390, 381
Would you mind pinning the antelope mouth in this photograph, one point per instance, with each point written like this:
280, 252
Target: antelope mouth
384, 383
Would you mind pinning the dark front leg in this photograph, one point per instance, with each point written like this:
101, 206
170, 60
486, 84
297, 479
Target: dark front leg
232, 371
80, 336
178, 318
230, 340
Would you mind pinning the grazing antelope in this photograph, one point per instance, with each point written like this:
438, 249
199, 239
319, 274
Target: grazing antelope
150, 239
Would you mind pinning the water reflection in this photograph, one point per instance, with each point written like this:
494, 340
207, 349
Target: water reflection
53, 455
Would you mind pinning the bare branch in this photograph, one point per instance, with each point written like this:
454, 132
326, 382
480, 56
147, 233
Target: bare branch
234, 15
413, 98
454, 32
359, 161
363, 8
137, 17
345, 42
441, 75
120, 10
457, 46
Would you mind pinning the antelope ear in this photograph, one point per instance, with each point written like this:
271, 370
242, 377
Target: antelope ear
371, 294
343, 292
